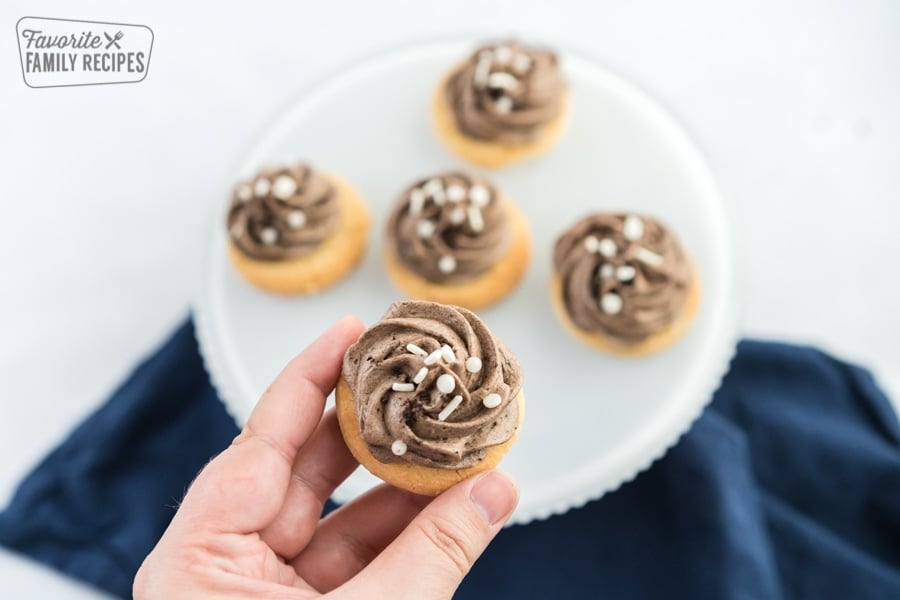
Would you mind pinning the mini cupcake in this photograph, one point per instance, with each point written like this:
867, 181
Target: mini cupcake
506, 102
453, 238
428, 397
296, 230
624, 284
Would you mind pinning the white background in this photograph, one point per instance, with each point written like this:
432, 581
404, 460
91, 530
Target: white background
107, 191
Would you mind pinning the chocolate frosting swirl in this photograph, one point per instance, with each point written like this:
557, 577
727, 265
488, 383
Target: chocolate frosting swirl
506, 93
449, 228
282, 213
625, 276
400, 376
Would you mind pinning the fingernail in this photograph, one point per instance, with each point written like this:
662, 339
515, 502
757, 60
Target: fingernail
494, 495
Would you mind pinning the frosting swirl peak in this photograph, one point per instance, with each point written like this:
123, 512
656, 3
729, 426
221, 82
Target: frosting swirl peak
506, 93
622, 275
433, 386
449, 228
282, 213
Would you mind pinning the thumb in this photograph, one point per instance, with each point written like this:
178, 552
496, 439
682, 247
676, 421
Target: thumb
429, 558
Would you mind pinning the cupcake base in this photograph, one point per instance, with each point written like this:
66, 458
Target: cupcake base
484, 152
655, 343
486, 289
428, 481
324, 266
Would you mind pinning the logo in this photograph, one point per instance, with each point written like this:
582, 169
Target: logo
66, 52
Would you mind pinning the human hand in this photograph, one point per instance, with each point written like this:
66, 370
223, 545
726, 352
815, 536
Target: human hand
249, 525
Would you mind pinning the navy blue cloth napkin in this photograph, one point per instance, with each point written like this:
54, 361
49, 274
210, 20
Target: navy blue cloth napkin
788, 486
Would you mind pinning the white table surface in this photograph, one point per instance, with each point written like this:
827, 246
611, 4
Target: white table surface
108, 190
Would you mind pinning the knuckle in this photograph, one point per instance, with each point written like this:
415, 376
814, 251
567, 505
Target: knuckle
451, 542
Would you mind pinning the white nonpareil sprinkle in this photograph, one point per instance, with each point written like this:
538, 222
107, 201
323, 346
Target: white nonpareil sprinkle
398, 447
476, 220
416, 201
244, 193
492, 401
607, 248
521, 63
447, 353
479, 195
433, 357
473, 364
425, 229
648, 257
457, 215
482, 70
591, 244
606, 271
420, 376
625, 273
284, 187
611, 303
447, 264
261, 187
402, 387
456, 193
446, 383
439, 196
413, 349
268, 236
633, 228
432, 185
451, 406
503, 54
296, 219
502, 81
504, 105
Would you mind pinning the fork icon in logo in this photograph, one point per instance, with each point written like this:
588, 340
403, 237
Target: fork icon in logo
113, 41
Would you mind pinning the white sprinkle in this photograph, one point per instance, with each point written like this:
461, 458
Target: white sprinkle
413, 349
502, 81
476, 221
296, 219
451, 406
479, 195
416, 201
284, 187
420, 376
425, 229
262, 187
606, 271
473, 364
447, 353
492, 401
244, 193
486, 54
446, 383
504, 105
447, 265
591, 244
611, 303
433, 357
402, 387
633, 228
482, 70
521, 63
625, 273
503, 54
269, 236
456, 193
432, 185
439, 197
398, 447
457, 215
607, 248
648, 257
